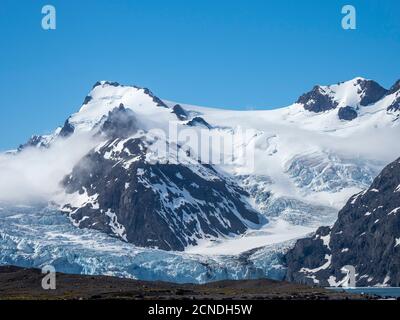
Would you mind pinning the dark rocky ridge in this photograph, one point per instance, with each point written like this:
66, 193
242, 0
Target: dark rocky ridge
199, 121
67, 129
156, 99
110, 83
395, 87
180, 113
317, 100
153, 204
370, 92
366, 236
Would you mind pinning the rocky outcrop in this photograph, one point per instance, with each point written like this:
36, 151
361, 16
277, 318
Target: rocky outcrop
156, 99
180, 113
395, 105
348, 95
199, 122
87, 100
317, 100
395, 88
365, 236
347, 113
67, 129
370, 91
109, 83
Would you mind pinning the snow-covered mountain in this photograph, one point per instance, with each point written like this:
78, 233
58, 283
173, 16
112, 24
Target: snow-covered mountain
115, 188
142, 177
348, 97
127, 188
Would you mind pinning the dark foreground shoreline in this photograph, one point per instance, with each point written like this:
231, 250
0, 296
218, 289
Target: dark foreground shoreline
25, 284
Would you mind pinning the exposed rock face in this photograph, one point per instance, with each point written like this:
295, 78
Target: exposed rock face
110, 83
395, 88
125, 189
317, 100
120, 123
199, 121
180, 113
156, 99
370, 92
395, 106
34, 141
87, 100
351, 94
67, 129
366, 236
347, 113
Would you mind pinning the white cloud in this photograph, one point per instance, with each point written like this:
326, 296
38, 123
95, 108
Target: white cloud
34, 175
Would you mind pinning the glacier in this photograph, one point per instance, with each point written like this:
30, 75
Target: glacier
40, 235
307, 164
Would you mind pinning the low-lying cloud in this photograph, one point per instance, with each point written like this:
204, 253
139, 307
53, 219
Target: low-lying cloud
34, 174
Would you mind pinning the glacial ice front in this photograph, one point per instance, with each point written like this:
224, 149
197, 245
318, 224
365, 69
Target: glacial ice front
37, 236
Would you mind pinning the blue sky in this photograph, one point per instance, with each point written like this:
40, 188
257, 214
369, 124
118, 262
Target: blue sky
225, 53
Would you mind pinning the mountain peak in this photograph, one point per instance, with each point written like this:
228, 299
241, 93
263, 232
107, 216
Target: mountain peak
349, 94
106, 95
106, 83
355, 81
317, 100
370, 92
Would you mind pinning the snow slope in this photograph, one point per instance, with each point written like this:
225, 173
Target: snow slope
308, 164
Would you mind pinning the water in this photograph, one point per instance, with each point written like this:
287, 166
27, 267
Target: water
387, 292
